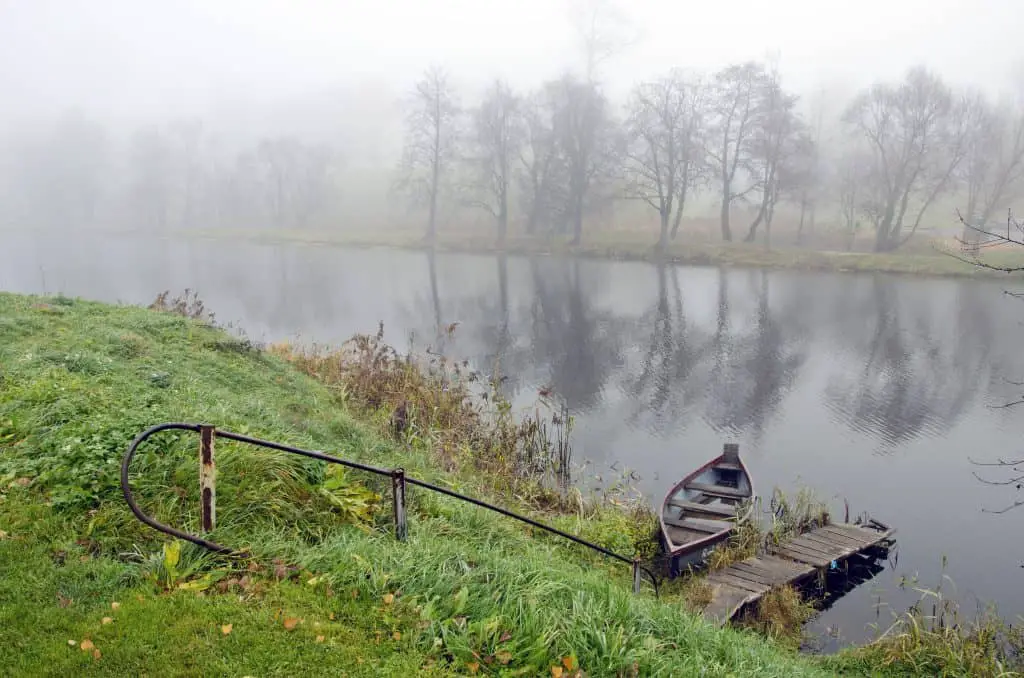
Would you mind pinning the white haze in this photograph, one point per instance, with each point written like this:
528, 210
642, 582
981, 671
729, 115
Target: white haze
334, 71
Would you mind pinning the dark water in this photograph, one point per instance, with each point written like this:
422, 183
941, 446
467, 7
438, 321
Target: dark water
872, 389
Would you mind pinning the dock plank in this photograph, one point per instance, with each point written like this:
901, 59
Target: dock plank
747, 581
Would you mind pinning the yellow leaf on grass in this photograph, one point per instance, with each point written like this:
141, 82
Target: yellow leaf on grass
72, 642
556, 672
96, 654
291, 622
396, 635
86, 645
319, 639
331, 616
570, 663
504, 656
107, 620
389, 598
473, 667
226, 629
115, 605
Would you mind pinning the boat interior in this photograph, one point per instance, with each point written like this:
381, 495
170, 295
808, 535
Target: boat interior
706, 503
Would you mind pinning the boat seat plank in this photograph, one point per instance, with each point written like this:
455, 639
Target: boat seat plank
681, 537
718, 490
700, 524
728, 466
714, 509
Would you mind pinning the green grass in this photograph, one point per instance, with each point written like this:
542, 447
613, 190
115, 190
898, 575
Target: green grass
926, 258
329, 590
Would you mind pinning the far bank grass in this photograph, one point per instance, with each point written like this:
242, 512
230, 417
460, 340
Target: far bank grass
925, 258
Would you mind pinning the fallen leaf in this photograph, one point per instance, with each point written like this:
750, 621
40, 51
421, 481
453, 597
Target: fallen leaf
319, 639
107, 620
226, 629
24, 482
396, 635
96, 654
115, 605
389, 598
72, 642
505, 636
3, 535
504, 656
556, 672
313, 581
291, 622
473, 667
86, 645
570, 662
62, 601
331, 616
355, 593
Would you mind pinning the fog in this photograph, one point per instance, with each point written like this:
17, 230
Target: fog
135, 115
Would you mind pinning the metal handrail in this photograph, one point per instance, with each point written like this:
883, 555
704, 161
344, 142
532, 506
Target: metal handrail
398, 481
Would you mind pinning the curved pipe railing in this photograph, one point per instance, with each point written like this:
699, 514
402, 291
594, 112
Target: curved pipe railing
398, 477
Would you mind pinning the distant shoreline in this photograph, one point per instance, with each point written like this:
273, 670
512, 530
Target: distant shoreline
621, 247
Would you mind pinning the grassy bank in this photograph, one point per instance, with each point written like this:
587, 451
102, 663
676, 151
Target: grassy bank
930, 258
88, 590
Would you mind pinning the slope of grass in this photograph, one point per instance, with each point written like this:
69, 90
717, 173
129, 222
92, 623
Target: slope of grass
469, 592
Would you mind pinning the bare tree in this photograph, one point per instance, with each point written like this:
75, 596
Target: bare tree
542, 172
587, 140
430, 145
776, 137
993, 169
603, 29
297, 178
497, 138
665, 152
851, 173
735, 110
917, 135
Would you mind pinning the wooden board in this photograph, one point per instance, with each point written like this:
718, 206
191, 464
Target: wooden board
701, 524
711, 509
718, 490
745, 582
725, 602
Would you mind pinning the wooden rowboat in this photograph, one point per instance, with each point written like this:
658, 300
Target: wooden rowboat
700, 511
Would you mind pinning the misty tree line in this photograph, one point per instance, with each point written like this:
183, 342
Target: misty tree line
76, 173
551, 160
562, 152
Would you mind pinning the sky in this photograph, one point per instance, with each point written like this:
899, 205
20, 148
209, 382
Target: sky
149, 58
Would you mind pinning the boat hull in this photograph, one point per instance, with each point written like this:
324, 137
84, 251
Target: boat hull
703, 510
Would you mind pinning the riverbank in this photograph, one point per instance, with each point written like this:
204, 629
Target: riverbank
90, 590
933, 258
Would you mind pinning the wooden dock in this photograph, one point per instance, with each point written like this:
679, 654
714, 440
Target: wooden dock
745, 582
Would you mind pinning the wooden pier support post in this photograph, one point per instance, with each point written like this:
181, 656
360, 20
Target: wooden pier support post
636, 574
398, 491
207, 478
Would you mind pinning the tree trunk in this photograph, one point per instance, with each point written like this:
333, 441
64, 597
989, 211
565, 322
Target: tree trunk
663, 236
800, 228
726, 231
502, 218
577, 220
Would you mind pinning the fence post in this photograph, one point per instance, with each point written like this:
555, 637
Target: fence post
636, 574
207, 478
398, 492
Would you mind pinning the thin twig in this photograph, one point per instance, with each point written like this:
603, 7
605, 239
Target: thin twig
1011, 481
1005, 510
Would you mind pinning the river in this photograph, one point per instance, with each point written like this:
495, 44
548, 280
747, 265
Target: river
872, 389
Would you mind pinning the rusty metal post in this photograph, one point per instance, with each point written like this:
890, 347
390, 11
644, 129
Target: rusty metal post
636, 574
207, 478
398, 492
